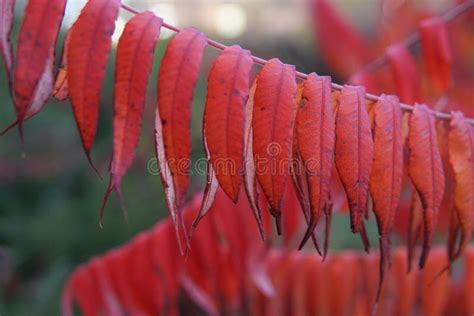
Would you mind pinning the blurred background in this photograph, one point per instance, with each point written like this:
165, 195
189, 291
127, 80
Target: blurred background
50, 197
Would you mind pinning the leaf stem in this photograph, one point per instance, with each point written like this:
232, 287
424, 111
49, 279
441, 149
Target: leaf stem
337, 87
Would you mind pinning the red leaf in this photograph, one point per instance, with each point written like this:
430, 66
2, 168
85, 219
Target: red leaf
224, 116
436, 52
87, 55
426, 171
331, 29
298, 175
387, 172
354, 153
405, 73
461, 158
315, 130
134, 63
35, 54
6, 16
272, 124
250, 182
176, 81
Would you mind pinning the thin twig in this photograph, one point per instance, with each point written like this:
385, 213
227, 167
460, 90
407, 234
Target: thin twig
414, 37
303, 76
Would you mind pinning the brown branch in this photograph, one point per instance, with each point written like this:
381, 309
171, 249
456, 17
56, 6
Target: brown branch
303, 76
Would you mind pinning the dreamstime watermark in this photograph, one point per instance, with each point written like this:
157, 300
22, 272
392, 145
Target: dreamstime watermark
274, 162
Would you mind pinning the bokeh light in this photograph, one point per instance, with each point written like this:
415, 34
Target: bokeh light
230, 20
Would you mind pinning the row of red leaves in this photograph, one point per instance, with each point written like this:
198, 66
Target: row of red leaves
229, 272
281, 124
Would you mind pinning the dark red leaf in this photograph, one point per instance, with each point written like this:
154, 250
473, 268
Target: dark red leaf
224, 116
176, 81
387, 172
134, 63
426, 171
315, 130
35, 57
461, 158
354, 153
272, 125
87, 55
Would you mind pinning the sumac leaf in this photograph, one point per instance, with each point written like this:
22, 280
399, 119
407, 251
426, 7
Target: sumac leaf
87, 56
176, 81
298, 175
224, 116
461, 158
425, 169
272, 125
315, 130
133, 66
387, 172
35, 57
354, 153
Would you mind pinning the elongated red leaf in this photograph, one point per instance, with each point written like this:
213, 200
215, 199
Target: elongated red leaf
298, 174
315, 130
405, 73
426, 171
35, 54
224, 116
134, 63
354, 153
272, 124
461, 158
176, 81
387, 172
436, 52
6, 17
87, 55
250, 180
